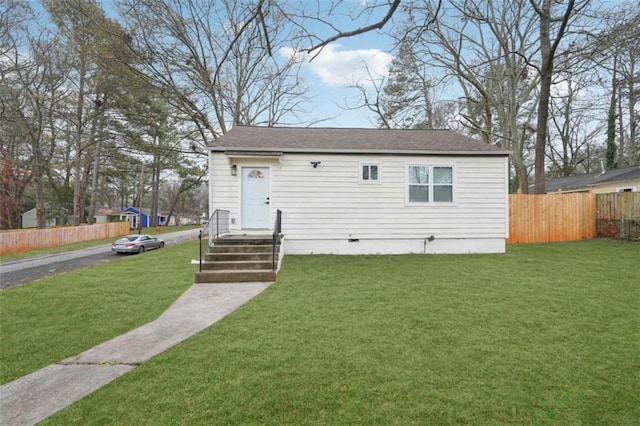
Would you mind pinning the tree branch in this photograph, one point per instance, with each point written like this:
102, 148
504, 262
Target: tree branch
344, 34
256, 15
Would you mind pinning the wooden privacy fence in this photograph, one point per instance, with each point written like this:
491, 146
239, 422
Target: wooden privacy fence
31, 239
553, 217
618, 215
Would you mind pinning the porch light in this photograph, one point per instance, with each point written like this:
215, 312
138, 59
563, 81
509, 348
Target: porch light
234, 170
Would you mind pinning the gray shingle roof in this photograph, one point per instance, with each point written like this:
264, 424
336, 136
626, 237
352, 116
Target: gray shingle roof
619, 175
586, 181
346, 140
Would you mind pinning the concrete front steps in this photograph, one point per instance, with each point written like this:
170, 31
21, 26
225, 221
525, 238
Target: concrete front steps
239, 258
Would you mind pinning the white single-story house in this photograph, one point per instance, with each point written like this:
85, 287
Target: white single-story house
363, 191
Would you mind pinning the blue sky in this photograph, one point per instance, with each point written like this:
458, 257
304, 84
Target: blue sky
336, 67
330, 75
344, 63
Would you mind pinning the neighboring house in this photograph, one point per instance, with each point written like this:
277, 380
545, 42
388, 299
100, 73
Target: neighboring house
106, 215
618, 180
189, 219
30, 220
355, 191
131, 214
182, 219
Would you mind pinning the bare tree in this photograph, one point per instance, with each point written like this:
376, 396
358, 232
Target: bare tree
87, 38
213, 61
41, 84
484, 48
553, 28
31, 97
14, 172
576, 126
176, 191
375, 15
406, 98
616, 49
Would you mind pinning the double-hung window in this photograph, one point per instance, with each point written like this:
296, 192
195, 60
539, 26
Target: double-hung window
430, 184
369, 173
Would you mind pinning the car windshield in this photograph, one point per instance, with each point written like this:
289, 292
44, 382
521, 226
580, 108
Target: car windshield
131, 237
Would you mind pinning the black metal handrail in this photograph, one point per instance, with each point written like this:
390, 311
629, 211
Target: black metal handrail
277, 230
217, 224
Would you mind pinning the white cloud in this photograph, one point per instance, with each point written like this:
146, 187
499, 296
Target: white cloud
345, 68
561, 89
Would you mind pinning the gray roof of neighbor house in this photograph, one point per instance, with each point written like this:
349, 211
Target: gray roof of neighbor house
347, 140
588, 180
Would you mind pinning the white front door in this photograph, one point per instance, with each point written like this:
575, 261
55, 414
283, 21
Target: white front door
255, 198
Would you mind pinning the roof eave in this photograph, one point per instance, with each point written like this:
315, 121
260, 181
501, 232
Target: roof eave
616, 182
358, 151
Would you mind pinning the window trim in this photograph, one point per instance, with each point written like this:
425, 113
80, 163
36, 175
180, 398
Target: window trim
369, 181
627, 189
431, 184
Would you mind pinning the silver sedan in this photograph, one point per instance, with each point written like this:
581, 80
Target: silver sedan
136, 243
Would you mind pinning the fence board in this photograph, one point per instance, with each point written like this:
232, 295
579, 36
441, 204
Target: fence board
618, 215
32, 239
553, 217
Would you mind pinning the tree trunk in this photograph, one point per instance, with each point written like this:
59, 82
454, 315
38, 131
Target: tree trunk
86, 166
547, 53
155, 180
38, 178
77, 183
41, 217
546, 73
153, 214
633, 125
94, 184
621, 135
156, 192
78, 206
141, 196
610, 153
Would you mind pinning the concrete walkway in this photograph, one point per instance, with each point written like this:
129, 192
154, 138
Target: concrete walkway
35, 397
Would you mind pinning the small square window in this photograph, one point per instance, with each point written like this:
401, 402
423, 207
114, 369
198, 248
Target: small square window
370, 173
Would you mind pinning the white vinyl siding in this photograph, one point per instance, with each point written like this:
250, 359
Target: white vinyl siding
329, 202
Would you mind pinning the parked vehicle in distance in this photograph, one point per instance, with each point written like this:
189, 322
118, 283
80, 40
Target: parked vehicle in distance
136, 243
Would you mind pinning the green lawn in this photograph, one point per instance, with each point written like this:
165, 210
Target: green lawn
547, 333
60, 316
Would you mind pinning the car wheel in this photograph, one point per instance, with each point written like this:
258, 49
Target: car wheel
141, 249
161, 244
